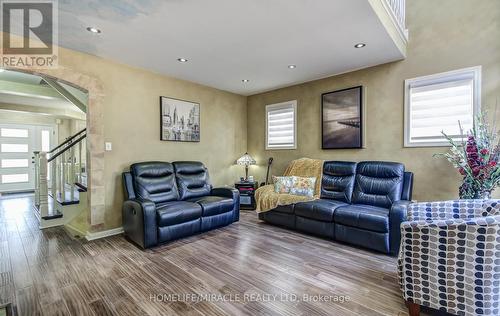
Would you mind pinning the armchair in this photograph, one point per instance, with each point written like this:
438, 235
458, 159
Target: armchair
449, 257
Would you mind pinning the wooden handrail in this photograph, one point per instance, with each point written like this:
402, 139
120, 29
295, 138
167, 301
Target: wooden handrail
67, 141
65, 149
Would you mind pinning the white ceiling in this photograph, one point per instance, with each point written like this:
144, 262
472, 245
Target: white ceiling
226, 41
26, 92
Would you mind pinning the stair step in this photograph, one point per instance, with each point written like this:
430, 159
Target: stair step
52, 213
67, 198
53, 216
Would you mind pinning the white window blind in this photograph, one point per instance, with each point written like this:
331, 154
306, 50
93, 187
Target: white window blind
281, 125
437, 103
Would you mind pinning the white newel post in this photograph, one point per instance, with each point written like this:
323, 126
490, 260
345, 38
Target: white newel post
43, 185
36, 162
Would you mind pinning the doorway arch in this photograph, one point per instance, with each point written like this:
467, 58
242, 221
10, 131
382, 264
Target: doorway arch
95, 136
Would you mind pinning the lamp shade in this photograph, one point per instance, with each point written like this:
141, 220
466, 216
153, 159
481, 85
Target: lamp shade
246, 160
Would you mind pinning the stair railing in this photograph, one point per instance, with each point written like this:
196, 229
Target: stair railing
66, 164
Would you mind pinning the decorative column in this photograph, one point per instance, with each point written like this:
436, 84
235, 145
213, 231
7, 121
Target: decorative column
43, 186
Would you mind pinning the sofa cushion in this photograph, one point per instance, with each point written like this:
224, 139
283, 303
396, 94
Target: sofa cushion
154, 181
282, 184
378, 183
192, 179
337, 182
303, 186
320, 210
177, 212
363, 216
213, 205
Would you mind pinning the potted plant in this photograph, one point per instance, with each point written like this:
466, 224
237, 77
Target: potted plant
477, 159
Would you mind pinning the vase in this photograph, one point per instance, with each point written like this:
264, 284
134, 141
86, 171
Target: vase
482, 195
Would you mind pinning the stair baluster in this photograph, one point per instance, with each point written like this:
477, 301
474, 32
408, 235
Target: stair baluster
80, 162
72, 173
62, 188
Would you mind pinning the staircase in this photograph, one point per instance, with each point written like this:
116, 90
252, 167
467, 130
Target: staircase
61, 181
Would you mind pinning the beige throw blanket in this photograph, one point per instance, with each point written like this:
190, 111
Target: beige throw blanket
265, 197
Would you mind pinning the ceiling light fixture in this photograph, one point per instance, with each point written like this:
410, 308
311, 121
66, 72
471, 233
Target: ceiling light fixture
360, 45
94, 30
292, 66
2, 70
245, 80
182, 60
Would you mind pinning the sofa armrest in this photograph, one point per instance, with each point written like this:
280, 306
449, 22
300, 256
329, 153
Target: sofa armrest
139, 222
447, 250
230, 193
397, 215
226, 192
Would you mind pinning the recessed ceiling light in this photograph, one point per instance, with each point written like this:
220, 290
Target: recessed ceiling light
182, 60
292, 66
94, 30
245, 80
360, 45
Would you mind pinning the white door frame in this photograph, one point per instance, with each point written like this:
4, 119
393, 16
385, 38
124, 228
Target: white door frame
34, 144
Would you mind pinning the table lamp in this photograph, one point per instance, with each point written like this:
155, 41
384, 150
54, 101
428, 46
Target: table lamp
246, 160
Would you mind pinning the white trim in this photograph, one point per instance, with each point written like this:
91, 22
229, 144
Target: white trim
402, 30
276, 106
102, 234
436, 78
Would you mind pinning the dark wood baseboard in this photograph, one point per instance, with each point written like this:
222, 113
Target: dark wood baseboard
413, 309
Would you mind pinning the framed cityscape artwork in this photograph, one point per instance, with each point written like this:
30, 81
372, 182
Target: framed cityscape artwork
180, 120
341, 119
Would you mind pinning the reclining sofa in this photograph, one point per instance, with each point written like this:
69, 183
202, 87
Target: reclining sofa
167, 201
360, 203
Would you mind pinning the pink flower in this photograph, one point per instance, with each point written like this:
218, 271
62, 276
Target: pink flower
475, 171
462, 171
493, 163
484, 151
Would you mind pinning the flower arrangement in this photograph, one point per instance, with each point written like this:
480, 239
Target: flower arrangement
477, 159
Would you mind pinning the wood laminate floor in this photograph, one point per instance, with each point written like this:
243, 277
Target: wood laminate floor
248, 268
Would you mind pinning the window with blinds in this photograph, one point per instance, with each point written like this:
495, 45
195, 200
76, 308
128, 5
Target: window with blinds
441, 103
281, 125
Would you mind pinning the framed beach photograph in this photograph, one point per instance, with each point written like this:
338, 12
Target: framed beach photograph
341, 119
180, 120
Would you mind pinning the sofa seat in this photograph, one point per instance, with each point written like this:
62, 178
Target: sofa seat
362, 216
320, 210
213, 205
177, 212
285, 209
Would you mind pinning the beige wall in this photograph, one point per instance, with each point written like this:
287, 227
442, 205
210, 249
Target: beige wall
69, 127
132, 123
444, 35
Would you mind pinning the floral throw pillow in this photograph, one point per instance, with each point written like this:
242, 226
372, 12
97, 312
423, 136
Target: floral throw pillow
282, 184
303, 186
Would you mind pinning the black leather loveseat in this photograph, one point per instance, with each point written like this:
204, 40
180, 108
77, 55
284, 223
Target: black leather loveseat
167, 201
361, 203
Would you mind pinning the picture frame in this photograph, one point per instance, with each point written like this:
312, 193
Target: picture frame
179, 120
342, 119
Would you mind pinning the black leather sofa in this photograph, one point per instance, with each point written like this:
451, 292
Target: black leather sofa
361, 203
167, 201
